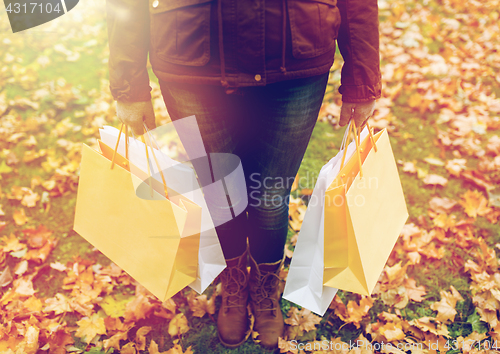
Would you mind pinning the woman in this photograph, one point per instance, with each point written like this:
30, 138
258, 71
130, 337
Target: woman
254, 73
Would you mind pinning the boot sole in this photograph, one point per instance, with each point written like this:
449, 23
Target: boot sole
227, 345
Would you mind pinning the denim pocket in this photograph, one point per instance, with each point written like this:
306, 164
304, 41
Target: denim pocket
180, 31
314, 25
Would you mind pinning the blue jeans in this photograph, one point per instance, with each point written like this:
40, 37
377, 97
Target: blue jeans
269, 129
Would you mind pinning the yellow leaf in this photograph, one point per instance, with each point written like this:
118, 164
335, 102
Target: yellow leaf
446, 306
153, 348
24, 287
115, 305
59, 304
30, 199
200, 305
414, 292
474, 203
33, 304
128, 348
29, 345
88, 328
392, 331
20, 217
177, 349
304, 319
178, 325
114, 341
12, 243
140, 337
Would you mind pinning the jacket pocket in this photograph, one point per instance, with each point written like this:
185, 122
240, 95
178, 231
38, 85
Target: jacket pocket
180, 31
314, 25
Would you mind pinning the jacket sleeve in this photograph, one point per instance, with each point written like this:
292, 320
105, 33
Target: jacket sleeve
128, 34
358, 41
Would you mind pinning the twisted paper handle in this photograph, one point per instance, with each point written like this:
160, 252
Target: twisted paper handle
357, 139
149, 140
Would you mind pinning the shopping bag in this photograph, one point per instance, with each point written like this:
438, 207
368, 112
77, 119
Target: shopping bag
181, 181
155, 241
304, 285
365, 211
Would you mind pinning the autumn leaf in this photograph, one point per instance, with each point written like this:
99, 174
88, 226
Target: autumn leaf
24, 287
414, 292
29, 345
89, 327
12, 243
58, 304
37, 237
59, 340
446, 306
114, 340
115, 305
140, 337
177, 349
200, 305
304, 319
153, 348
397, 297
474, 203
5, 277
33, 304
441, 205
20, 217
435, 180
137, 309
178, 325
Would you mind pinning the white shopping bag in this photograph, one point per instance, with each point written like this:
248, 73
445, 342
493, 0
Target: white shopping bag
182, 178
304, 284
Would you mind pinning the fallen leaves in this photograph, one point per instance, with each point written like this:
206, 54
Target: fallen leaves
303, 319
474, 204
435, 180
178, 325
89, 327
446, 306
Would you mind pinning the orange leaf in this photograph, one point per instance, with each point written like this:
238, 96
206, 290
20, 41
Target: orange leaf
414, 293
153, 348
20, 217
140, 337
200, 305
446, 306
178, 325
114, 341
12, 243
304, 319
89, 327
474, 203
58, 304
138, 309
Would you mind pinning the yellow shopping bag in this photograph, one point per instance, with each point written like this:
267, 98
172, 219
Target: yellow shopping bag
154, 241
364, 213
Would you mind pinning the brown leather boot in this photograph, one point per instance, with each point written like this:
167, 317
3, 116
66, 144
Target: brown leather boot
264, 301
232, 320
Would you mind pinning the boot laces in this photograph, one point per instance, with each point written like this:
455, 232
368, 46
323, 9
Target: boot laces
234, 280
265, 291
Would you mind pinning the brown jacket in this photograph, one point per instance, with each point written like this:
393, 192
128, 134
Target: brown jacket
238, 43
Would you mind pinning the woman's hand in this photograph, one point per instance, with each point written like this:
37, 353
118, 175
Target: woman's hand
134, 114
360, 112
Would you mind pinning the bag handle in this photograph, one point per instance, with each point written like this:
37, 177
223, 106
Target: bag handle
357, 139
147, 156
